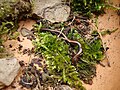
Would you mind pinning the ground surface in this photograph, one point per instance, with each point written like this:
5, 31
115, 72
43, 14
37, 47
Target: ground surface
107, 77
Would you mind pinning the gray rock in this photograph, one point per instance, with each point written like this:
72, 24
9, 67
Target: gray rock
39, 5
59, 13
25, 32
52, 10
9, 68
63, 87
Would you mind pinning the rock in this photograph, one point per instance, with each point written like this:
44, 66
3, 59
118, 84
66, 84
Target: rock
52, 10
59, 13
39, 5
9, 68
25, 32
63, 87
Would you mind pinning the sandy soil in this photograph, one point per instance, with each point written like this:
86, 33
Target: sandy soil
27, 44
24, 42
107, 78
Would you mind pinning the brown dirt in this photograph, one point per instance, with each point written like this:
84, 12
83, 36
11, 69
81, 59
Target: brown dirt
107, 77
23, 41
18, 54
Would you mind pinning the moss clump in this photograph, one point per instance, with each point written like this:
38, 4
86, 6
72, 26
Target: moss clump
92, 54
13, 10
59, 53
87, 7
56, 53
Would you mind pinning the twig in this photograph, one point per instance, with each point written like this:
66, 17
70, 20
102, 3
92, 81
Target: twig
70, 41
61, 32
113, 6
108, 63
72, 21
94, 39
26, 82
38, 81
101, 64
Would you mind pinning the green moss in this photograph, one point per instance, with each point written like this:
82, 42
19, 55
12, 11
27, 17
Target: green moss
56, 53
14, 10
87, 7
58, 56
